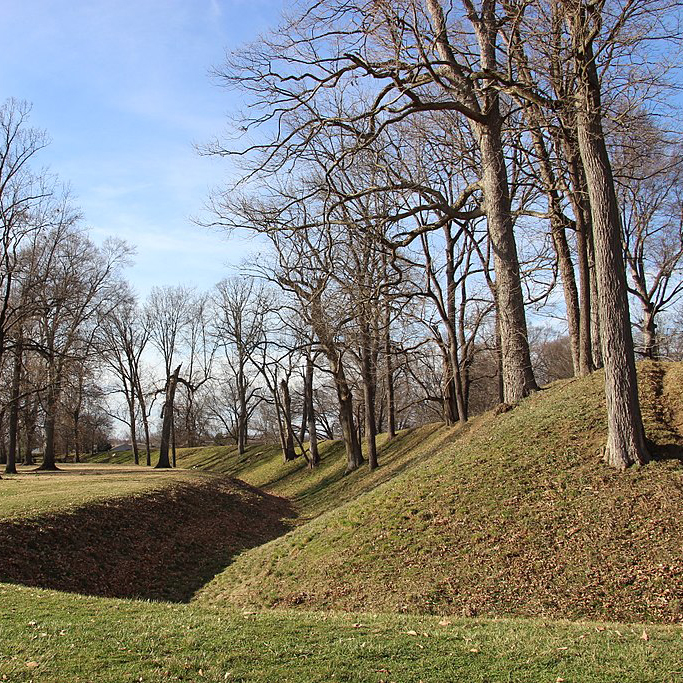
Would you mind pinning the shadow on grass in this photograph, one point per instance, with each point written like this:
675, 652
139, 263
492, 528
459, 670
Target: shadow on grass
160, 545
395, 457
666, 451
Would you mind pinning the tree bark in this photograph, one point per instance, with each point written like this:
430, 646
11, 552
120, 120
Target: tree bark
77, 436
288, 450
133, 428
48, 462
578, 197
558, 225
354, 455
167, 423
145, 425
314, 455
242, 414
389, 376
649, 330
11, 467
626, 437
369, 393
174, 462
30, 418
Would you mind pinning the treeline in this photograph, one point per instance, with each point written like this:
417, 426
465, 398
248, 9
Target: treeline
445, 165
428, 184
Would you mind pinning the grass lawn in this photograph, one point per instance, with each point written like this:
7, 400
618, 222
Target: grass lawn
514, 514
56, 637
32, 493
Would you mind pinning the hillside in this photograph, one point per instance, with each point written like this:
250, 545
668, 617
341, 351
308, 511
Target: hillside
517, 515
161, 542
514, 515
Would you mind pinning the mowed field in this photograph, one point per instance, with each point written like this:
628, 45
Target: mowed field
504, 551
32, 493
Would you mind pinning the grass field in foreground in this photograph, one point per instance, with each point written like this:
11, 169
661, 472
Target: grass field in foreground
32, 493
51, 637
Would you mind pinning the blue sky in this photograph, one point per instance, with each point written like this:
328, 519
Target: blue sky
124, 91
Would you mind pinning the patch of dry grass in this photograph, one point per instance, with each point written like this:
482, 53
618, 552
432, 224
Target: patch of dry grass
32, 493
516, 516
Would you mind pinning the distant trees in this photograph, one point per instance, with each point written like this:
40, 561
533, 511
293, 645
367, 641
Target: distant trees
650, 191
239, 327
176, 319
123, 338
55, 285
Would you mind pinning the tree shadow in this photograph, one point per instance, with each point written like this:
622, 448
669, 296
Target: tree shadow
159, 545
667, 451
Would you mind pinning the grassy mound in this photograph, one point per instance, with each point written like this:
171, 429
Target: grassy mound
31, 493
517, 515
54, 637
312, 491
158, 544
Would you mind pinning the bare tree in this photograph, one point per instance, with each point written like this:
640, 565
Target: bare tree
416, 58
78, 283
242, 306
22, 195
122, 340
651, 196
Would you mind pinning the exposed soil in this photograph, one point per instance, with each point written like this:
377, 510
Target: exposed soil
161, 545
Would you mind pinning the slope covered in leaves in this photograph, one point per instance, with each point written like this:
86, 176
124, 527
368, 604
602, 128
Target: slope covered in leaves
516, 515
162, 543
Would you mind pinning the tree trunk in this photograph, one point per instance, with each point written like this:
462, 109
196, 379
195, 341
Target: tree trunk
314, 455
354, 455
145, 426
167, 424
451, 324
77, 436
649, 330
499, 363
133, 427
369, 392
517, 373
50, 419
174, 462
30, 418
288, 450
596, 325
626, 437
389, 376
3, 449
11, 467
581, 209
450, 407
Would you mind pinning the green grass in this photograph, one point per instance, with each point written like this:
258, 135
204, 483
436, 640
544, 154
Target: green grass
55, 637
513, 515
312, 491
32, 493
517, 515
